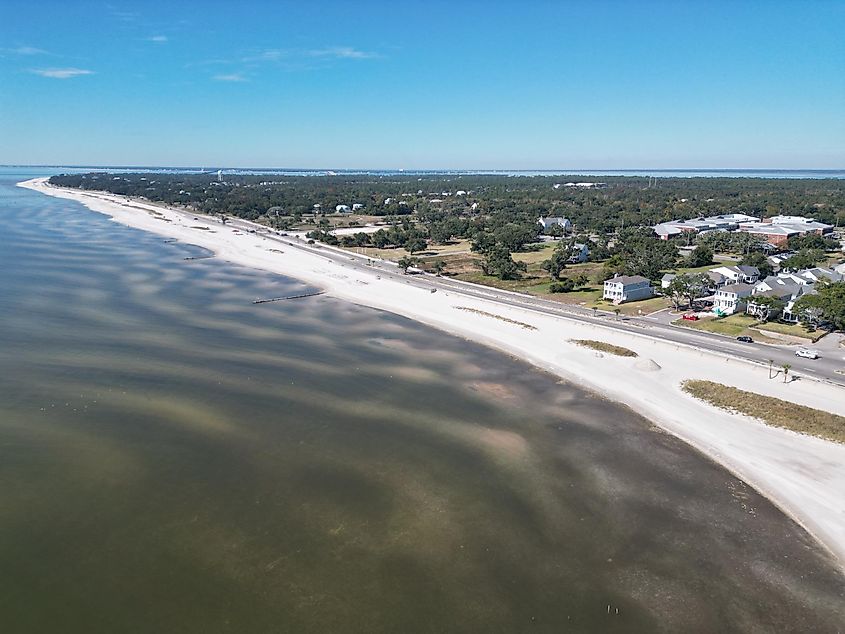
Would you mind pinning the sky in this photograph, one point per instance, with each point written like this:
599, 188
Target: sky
424, 85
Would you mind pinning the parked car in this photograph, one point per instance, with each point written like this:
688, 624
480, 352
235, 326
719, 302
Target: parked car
807, 353
745, 339
691, 317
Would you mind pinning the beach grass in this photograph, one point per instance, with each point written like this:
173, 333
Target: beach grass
770, 410
602, 346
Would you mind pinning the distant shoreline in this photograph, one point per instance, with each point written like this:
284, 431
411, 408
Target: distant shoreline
763, 173
804, 476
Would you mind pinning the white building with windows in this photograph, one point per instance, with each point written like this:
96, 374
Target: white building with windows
551, 221
731, 298
627, 288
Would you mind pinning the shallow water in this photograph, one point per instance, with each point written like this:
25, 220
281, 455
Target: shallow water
174, 458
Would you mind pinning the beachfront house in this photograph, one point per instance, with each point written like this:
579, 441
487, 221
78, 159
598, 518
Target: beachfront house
342, 209
552, 221
731, 298
627, 288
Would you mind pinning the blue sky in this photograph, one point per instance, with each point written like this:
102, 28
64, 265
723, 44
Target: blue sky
474, 85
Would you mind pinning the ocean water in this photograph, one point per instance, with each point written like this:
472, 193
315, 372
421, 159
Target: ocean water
174, 458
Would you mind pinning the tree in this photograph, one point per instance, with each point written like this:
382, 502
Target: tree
786, 368
566, 285
828, 301
499, 262
641, 253
515, 236
764, 307
689, 286
805, 259
406, 262
556, 263
437, 266
415, 244
556, 231
701, 256
581, 280
759, 261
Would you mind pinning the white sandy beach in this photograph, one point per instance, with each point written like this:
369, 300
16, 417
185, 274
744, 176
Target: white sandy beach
805, 476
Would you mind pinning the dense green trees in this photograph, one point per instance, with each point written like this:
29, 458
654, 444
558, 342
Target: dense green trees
701, 255
498, 262
688, 287
497, 199
759, 260
805, 259
827, 304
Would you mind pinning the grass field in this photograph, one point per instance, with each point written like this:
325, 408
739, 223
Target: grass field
745, 325
772, 411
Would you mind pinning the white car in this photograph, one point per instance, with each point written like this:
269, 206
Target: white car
807, 353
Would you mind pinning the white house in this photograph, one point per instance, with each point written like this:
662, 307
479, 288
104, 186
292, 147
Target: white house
627, 288
551, 221
731, 298
666, 280
357, 206
741, 274
579, 253
342, 209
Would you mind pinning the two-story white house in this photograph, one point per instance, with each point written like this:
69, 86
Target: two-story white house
627, 288
731, 298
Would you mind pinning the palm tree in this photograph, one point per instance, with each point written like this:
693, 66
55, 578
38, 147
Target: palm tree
786, 367
771, 362
617, 311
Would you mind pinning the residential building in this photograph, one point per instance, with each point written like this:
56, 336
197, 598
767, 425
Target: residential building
579, 253
342, 209
666, 280
551, 221
738, 274
627, 288
357, 206
731, 298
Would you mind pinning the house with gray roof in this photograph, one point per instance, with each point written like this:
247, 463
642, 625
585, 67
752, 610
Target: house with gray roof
731, 298
551, 221
627, 288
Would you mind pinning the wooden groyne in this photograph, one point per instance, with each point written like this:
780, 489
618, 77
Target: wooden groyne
280, 299
199, 257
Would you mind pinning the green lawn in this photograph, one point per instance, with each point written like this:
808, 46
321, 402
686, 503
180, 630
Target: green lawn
745, 325
734, 325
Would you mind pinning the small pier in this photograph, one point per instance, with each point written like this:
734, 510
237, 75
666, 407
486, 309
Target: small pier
281, 299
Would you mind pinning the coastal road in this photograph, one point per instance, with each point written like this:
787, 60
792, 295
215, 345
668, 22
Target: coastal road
829, 367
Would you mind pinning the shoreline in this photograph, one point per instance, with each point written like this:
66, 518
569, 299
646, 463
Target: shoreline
802, 475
